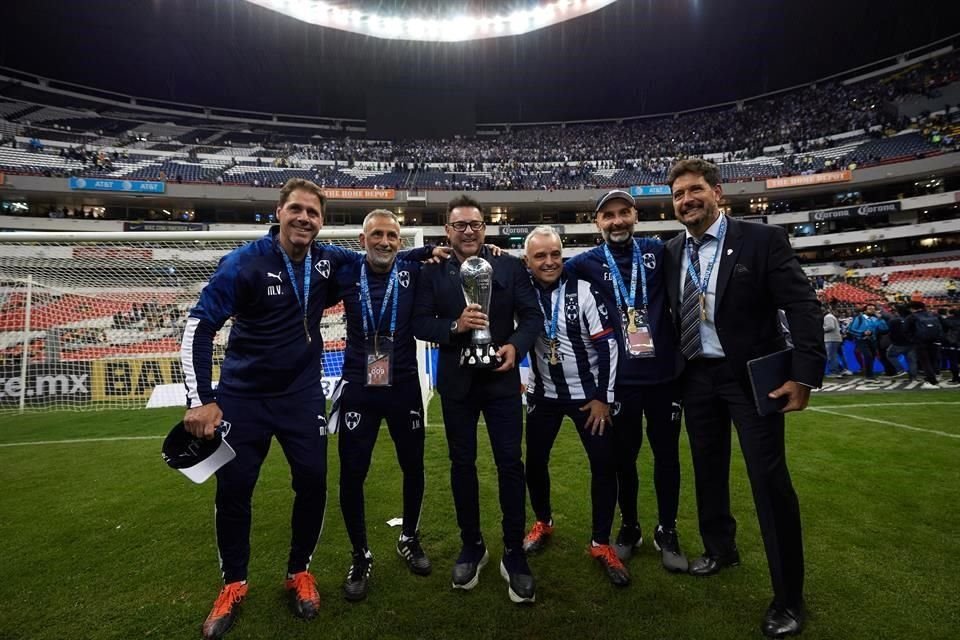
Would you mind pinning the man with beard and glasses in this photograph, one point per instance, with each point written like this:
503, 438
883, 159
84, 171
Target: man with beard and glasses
629, 273
443, 316
727, 281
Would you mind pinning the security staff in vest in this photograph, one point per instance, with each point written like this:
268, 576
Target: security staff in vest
379, 382
573, 370
275, 289
727, 279
629, 273
515, 321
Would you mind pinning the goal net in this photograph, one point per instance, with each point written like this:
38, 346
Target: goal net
94, 320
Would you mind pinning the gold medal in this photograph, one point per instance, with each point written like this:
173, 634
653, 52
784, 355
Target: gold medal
703, 307
631, 320
553, 358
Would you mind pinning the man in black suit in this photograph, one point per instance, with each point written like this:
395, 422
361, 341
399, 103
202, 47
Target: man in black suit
726, 281
444, 317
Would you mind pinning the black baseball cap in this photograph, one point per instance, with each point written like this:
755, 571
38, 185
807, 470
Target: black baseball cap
197, 458
616, 194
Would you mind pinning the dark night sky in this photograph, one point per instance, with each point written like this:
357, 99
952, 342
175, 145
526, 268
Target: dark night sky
634, 57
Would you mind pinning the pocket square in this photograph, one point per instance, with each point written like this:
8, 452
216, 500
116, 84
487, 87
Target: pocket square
740, 270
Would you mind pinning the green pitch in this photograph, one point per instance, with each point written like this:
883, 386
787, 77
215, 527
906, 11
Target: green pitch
99, 539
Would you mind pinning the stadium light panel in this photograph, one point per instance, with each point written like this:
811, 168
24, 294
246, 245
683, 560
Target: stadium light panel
431, 28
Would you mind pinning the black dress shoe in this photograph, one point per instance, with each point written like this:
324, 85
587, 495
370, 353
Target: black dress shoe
707, 565
781, 621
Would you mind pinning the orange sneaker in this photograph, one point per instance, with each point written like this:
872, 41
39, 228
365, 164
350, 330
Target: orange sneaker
225, 610
607, 557
538, 536
304, 596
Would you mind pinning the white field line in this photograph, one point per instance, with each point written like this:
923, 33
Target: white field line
482, 422
79, 441
885, 422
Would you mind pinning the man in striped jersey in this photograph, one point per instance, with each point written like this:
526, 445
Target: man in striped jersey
573, 369
629, 273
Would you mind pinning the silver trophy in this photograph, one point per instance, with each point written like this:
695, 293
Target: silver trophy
476, 275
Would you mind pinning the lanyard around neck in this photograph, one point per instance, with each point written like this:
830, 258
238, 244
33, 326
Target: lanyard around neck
620, 290
366, 303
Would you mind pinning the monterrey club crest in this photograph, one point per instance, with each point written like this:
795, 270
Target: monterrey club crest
352, 420
323, 268
571, 307
403, 278
650, 261
615, 408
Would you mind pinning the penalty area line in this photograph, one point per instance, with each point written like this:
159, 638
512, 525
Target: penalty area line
886, 422
78, 441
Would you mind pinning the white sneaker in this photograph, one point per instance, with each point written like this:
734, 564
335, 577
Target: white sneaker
927, 385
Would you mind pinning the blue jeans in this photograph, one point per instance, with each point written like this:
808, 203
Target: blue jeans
909, 353
833, 363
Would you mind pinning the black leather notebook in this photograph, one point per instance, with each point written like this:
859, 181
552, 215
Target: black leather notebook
766, 374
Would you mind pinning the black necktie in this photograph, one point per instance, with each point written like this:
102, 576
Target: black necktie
690, 309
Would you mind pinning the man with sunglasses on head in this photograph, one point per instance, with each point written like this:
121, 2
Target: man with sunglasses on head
515, 321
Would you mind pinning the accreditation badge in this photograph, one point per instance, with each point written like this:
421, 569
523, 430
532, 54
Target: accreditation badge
638, 338
379, 350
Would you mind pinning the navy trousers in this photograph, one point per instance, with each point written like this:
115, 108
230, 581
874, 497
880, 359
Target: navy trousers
300, 426
362, 409
656, 403
544, 418
504, 419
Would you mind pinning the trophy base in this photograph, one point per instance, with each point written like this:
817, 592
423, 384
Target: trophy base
480, 356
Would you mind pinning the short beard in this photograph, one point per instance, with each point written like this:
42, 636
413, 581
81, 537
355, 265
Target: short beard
608, 238
379, 262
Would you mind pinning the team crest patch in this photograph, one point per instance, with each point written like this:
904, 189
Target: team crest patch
530, 406
602, 309
404, 279
571, 307
323, 268
650, 261
615, 408
225, 428
352, 420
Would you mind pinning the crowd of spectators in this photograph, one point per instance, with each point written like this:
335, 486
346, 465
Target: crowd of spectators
790, 126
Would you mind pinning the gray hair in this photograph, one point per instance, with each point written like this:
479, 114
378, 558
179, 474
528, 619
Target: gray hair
542, 230
380, 213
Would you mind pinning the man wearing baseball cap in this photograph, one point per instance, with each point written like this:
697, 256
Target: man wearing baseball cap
629, 273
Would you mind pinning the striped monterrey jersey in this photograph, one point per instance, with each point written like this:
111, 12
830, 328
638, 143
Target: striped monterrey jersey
347, 288
268, 353
592, 266
587, 350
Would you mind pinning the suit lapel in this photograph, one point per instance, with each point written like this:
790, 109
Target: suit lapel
730, 253
451, 276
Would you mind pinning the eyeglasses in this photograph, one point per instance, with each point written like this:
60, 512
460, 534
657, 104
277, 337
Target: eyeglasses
461, 226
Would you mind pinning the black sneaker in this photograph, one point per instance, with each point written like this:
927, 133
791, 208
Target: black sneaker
515, 570
466, 571
358, 577
629, 538
411, 551
668, 544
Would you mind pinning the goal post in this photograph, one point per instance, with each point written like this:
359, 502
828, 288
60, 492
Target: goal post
94, 320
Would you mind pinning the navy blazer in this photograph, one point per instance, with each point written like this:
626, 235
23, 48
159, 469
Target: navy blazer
515, 318
757, 275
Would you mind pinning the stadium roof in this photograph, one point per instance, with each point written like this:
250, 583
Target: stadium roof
632, 57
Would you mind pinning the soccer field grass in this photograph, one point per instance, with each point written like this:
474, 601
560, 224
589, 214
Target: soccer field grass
99, 539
